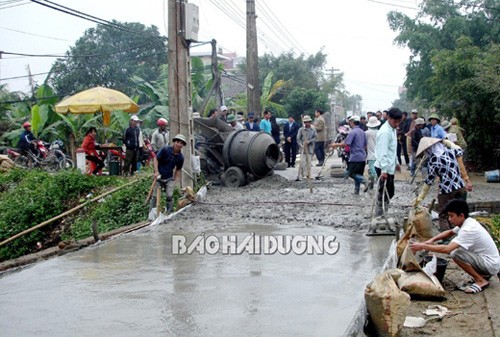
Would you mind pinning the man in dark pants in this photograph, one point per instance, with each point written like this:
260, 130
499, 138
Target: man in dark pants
290, 130
403, 129
131, 141
356, 140
168, 167
386, 163
319, 145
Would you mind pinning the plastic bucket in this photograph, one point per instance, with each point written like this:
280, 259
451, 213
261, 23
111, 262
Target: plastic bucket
440, 268
114, 168
492, 176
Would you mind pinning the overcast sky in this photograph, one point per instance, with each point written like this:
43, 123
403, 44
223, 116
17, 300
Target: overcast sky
353, 33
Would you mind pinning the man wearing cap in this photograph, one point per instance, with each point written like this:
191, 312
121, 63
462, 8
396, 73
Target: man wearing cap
265, 123
458, 132
319, 145
250, 124
386, 163
231, 120
160, 137
306, 136
453, 178
290, 131
131, 139
223, 113
437, 130
168, 169
356, 140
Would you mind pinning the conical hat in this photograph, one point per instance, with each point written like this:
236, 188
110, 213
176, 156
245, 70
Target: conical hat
425, 143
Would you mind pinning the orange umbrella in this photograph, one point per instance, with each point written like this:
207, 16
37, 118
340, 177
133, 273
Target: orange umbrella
97, 99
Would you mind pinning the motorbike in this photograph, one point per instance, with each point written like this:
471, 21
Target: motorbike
342, 152
48, 157
147, 153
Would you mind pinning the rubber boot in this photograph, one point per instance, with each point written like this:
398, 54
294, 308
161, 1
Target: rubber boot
170, 205
152, 203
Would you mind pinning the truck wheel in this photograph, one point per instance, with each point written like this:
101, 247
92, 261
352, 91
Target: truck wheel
233, 177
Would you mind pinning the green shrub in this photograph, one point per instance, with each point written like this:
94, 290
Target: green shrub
122, 208
31, 197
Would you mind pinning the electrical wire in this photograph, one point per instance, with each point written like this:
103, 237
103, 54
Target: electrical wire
88, 17
279, 25
32, 34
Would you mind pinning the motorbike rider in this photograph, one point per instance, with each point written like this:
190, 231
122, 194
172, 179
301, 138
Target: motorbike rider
160, 137
90, 147
27, 141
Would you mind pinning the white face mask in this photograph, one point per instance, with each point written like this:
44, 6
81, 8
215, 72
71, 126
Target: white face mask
436, 149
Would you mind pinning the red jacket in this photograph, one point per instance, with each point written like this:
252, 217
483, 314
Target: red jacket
89, 145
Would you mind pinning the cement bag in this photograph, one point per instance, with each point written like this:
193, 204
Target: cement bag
422, 222
415, 281
386, 304
5, 163
421, 286
408, 262
403, 242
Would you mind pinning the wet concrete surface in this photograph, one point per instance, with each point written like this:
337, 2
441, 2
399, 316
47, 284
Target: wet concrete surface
134, 286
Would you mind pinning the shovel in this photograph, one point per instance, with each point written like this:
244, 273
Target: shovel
318, 177
150, 193
308, 163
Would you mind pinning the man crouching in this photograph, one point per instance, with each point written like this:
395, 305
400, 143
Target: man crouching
472, 249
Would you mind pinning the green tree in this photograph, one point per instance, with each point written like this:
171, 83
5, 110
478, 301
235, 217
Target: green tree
454, 66
269, 90
109, 57
299, 71
304, 101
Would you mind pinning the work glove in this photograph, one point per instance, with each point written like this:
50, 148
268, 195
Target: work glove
449, 144
422, 195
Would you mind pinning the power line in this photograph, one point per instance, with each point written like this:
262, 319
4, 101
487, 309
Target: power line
117, 51
393, 5
87, 17
10, 4
44, 36
277, 23
232, 14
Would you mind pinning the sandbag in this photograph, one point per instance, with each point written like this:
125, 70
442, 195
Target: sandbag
419, 228
5, 163
421, 220
403, 242
408, 262
421, 286
386, 304
415, 281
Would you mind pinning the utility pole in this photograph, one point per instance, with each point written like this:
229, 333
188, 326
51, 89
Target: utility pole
253, 88
216, 75
179, 84
216, 84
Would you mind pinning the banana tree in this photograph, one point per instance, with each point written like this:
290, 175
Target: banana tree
269, 91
